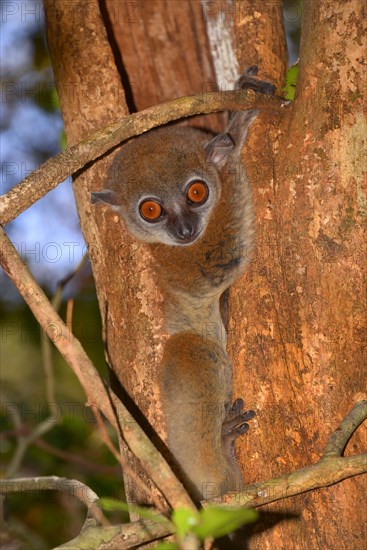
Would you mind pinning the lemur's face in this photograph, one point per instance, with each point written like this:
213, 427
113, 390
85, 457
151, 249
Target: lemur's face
178, 217
164, 186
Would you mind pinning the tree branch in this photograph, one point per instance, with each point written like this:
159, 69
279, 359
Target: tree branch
339, 439
58, 168
330, 469
72, 487
127, 535
109, 404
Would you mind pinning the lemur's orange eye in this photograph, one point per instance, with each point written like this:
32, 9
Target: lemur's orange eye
150, 210
197, 192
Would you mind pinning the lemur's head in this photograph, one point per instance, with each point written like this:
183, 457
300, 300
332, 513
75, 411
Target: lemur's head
166, 183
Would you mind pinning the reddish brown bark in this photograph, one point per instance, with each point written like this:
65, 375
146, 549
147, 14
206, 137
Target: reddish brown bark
162, 50
260, 37
298, 317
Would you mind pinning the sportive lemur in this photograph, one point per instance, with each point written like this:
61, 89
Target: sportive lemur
186, 194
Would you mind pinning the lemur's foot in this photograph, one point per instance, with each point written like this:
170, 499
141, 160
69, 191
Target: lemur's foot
246, 80
234, 425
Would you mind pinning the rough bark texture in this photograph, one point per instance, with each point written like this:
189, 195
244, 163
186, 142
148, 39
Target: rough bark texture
298, 316
162, 51
260, 37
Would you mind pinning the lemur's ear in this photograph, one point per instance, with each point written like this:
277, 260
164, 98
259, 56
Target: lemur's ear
105, 196
218, 149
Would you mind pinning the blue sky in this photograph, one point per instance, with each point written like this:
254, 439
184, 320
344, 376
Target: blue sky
48, 233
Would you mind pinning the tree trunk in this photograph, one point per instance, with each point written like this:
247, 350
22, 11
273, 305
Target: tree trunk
297, 318
162, 51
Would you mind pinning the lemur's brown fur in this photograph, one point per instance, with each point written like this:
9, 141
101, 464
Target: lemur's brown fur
200, 249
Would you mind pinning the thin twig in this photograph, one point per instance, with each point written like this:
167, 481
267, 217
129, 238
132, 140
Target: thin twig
72, 487
125, 465
48, 369
25, 441
339, 439
103, 433
45, 341
69, 313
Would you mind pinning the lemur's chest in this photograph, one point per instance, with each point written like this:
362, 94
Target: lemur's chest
222, 262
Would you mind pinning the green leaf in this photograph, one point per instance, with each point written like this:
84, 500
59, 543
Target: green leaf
216, 522
46, 97
54, 96
110, 505
63, 141
291, 83
185, 521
